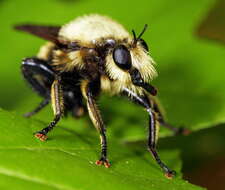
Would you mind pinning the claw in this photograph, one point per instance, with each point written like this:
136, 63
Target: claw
186, 132
27, 115
170, 174
103, 162
41, 136
183, 131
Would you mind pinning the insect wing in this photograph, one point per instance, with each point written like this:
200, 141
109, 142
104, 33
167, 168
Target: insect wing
49, 33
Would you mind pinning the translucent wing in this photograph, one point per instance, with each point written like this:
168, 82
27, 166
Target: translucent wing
49, 33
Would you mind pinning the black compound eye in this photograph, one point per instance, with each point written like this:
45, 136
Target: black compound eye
144, 44
122, 57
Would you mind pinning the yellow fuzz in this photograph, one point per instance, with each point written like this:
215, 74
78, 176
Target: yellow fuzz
142, 61
67, 61
45, 51
89, 28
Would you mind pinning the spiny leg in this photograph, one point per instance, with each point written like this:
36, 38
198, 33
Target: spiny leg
40, 76
57, 105
97, 121
152, 138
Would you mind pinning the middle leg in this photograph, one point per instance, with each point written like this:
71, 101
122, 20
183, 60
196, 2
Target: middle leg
58, 108
97, 121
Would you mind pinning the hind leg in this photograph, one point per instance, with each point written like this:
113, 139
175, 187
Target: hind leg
40, 76
37, 109
58, 108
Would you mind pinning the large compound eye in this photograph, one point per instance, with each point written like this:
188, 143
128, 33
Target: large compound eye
144, 44
121, 57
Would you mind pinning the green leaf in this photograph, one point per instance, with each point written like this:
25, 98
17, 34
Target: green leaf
190, 87
66, 161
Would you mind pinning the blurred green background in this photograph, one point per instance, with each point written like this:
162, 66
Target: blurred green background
190, 83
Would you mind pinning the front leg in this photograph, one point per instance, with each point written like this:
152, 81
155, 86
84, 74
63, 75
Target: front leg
95, 116
57, 105
153, 127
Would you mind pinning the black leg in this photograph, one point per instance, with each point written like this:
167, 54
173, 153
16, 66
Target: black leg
40, 76
152, 138
38, 108
137, 80
98, 123
58, 108
176, 131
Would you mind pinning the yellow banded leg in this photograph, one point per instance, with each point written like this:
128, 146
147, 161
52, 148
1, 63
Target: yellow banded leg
57, 105
153, 128
97, 121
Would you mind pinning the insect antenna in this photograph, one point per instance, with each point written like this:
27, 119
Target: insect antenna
139, 36
143, 31
135, 38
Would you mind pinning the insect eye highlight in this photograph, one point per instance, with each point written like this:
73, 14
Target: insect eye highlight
144, 44
122, 57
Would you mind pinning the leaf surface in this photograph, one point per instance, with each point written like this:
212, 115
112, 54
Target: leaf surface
66, 161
